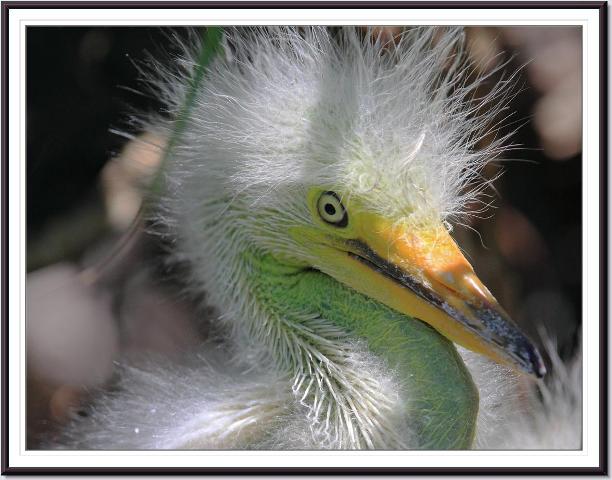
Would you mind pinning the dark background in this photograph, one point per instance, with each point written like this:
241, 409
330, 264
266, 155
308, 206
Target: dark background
81, 83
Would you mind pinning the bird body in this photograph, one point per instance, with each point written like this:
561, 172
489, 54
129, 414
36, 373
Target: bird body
309, 194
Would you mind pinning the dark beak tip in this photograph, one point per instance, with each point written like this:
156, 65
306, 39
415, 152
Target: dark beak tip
540, 370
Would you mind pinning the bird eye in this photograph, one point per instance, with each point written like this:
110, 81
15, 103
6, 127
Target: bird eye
331, 209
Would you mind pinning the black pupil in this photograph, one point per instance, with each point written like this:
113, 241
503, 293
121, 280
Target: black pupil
330, 209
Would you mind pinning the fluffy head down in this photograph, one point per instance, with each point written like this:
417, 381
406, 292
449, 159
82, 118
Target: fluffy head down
286, 108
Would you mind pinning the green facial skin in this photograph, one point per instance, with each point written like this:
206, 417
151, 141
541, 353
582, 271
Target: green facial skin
443, 398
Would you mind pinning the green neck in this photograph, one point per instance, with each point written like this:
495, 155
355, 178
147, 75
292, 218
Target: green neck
443, 402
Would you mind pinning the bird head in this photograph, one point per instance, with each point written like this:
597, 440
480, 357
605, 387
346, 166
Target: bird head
349, 157
413, 267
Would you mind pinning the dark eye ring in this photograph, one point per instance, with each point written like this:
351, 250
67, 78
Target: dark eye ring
331, 209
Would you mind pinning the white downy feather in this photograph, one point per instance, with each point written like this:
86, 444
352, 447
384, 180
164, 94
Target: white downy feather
209, 405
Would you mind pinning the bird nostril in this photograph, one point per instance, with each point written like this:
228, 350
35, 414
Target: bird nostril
475, 287
464, 283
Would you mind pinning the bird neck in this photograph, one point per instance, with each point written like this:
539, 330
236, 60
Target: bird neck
314, 327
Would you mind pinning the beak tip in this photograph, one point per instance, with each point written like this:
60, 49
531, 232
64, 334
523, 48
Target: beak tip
533, 363
539, 369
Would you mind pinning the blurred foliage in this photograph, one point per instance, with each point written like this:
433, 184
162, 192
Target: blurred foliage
81, 83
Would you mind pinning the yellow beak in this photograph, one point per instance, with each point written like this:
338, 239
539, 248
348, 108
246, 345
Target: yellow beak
422, 273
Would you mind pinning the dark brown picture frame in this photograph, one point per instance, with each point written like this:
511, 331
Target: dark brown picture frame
6, 164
